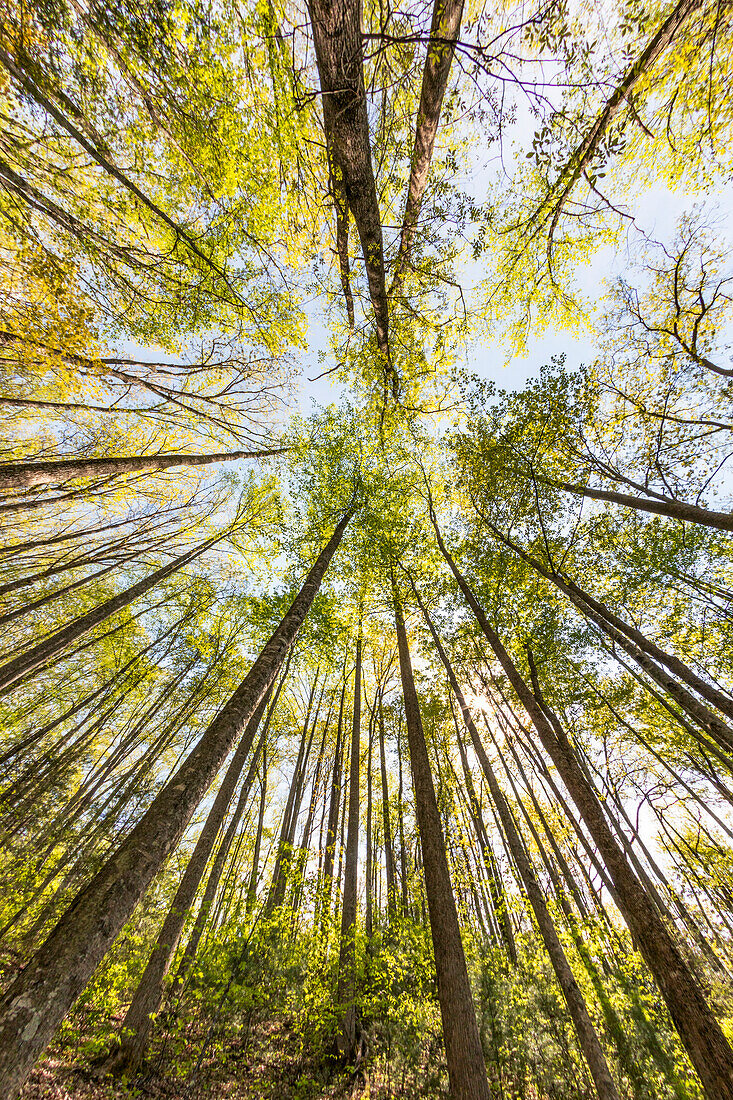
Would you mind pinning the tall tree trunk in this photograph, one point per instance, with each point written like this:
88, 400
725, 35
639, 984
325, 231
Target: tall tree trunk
645, 653
496, 888
444, 31
700, 1032
401, 828
39, 998
283, 857
252, 887
386, 826
26, 475
333, 815
368, 919
583, 155
666, 506
349, 1039
337, 41
466, 1066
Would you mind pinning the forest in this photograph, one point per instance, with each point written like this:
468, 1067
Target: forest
366, 587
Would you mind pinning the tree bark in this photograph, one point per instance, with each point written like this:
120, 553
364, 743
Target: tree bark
644, 652
212, 882
349, 1039
337, 41
26, 475
137, 1024
333, 815
675, 509
39, 998
466, 1066
444, 31
583, 155
587, 1036
253, 878
386, 826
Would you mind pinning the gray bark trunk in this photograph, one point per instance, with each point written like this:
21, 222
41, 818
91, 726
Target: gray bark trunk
466, 1066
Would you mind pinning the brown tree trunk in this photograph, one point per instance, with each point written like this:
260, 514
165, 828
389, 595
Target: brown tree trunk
39, 998
466, 1066
645, 653
283, 857
638, 70
333, 815
253, 878
698, 1028
496, 888
675, 509
368, 915
136, 1026
386, 826
349, 1039
212, 883
26, 475
444, 30
337, 41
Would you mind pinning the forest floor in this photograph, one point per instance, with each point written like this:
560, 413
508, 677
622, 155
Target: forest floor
272, 1069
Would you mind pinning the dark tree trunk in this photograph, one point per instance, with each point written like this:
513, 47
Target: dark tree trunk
587, 1036
212, 883
39, 998
386, 826
337, 41
466, 1067
675, 509
349, 1040
444, 31
333, 814
368, 918
649, 656
280, 874
136, 1026
252, 887
26, 475
496, 888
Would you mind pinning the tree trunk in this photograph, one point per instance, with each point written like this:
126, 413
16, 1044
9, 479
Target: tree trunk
333, 815
444, 31
337, 41
466, 1067
368, 916
349, 1040
212, 883
26, 475
675, 509
587, 1036
136, 1026
645, 653
386, 826
252, 887
39, 998
283, 858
